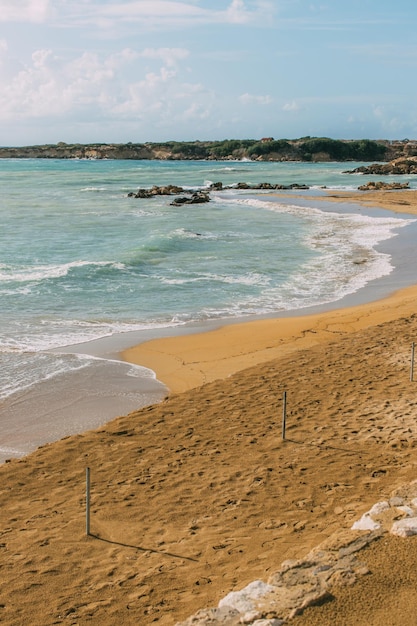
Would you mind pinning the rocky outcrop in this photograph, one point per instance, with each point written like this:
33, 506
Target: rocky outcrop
267, 186
314, 579
381, 186
192, 197
166, 190
407, 165
297, 585
201, 196
197, 197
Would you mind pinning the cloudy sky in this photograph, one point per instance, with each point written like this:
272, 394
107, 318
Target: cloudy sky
158, 70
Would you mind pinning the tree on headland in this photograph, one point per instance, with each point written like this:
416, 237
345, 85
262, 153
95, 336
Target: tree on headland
277, 146
338, 150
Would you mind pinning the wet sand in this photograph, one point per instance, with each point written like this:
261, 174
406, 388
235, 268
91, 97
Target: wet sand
200, 495
186, 362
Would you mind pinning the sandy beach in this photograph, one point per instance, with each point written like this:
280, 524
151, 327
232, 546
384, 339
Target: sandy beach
200, 495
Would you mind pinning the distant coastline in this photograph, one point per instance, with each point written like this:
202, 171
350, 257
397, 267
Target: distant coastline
314, 149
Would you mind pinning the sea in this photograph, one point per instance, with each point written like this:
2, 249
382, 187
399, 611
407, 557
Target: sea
87, 270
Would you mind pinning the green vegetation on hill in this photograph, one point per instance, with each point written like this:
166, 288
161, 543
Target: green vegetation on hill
267, 149
363, 150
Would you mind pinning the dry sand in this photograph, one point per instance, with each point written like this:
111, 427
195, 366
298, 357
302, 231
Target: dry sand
199, 495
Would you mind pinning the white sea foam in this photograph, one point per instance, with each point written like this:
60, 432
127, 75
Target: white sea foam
184, 233
61, 333
94, 189
335, 187
21, 371
251, 278
347, 245
45, 272
26, 370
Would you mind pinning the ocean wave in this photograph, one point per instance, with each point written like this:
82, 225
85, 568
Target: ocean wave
94, 189
347, 246
23, 371
38, 273
55, 334
184, 233
335, 188
251, 278
29, 369
377, 224
345, 260
229, 168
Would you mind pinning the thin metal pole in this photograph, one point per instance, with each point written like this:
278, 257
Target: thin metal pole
412, 362
87, 501
284, 413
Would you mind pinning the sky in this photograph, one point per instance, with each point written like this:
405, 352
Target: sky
114, 71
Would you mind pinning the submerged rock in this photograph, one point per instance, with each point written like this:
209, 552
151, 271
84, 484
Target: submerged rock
198, 197
166, 190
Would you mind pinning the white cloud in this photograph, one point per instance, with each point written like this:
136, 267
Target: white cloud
237, 13
8, 67
389, 121
248, 98
291, 106
163, 94
24, 10
40, 57
93, 87
197, 111
145, 13
169, 12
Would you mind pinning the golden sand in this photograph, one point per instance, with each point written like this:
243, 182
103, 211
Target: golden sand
200, 495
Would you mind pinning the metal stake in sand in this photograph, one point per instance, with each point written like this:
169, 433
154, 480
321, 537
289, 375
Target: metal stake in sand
284, 413
412, 362
87, 501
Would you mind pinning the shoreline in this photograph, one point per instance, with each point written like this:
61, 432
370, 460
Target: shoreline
190, 359
184, 362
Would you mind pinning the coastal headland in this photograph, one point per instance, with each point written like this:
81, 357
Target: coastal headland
313, 149
200, 494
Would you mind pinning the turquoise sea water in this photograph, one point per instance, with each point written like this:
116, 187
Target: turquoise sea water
80, 260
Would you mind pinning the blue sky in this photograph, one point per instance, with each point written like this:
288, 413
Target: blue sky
159, 70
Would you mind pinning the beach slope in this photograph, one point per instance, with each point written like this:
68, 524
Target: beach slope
199, 495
